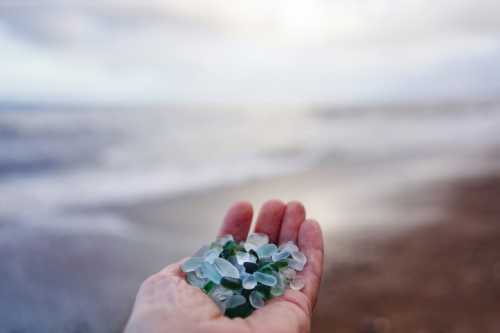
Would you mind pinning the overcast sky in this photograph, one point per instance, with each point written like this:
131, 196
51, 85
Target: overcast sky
244, 52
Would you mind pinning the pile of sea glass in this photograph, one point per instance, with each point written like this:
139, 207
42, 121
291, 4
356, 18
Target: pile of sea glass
241, 277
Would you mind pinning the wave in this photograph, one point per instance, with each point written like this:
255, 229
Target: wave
53, 160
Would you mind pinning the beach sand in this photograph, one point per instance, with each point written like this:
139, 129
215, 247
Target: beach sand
425, 258
443, 276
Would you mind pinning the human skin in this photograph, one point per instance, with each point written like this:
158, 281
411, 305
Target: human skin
167, 303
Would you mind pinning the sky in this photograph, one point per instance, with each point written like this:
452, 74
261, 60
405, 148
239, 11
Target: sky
293, 52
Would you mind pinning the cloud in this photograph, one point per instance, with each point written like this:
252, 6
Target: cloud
281, 52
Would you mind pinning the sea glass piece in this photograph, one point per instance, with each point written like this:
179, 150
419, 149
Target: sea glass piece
256, 240
191, 264
265, 261
208, 287
210, 272
243, 257
253, 253
256, 299
250, 267
278, 265
297, 284
249, 282
289, 273
242, 271
280, 280
280, 255
297, 265
250, 247
265, 279
266, 251
199, 273
222, 240
196, 281
264, 290
225, 268
233, 260
220, 293
277, 291
267, 268
231, 283
221, 296
288, 246
241, 311
211, 254
231, 245
243, 275
279, 288
220, 304
229, 249
235, 301
300, 257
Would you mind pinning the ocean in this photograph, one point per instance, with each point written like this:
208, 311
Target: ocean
57, 161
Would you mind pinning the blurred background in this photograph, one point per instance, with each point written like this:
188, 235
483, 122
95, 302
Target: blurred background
128, 127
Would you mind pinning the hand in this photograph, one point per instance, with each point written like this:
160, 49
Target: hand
167, 303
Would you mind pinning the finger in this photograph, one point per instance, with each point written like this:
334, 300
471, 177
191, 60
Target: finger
237, 220
311, 244
294, 215
269, 220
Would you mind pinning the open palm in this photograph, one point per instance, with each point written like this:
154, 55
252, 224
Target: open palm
167, 303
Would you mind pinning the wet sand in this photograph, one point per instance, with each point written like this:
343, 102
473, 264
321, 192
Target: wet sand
443, 276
